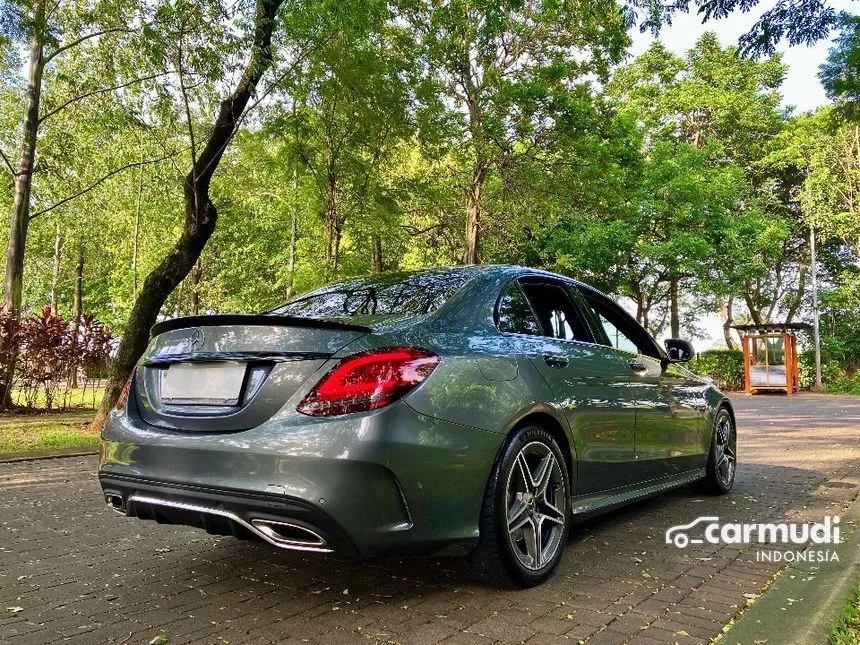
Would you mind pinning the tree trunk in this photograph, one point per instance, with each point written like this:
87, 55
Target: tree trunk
20, 218
728, 319
473, 215
55, 278
78, 307
755, 314
196, 274
674, 319
136, 242
336, 260
294, 227
200, 213
376, 254
177, 305
332, 226
798, 299
640, 306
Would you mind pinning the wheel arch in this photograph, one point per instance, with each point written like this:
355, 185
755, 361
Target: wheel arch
544, 418
723, 402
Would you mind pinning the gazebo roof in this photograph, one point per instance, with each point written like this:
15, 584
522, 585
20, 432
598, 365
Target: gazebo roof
771, 328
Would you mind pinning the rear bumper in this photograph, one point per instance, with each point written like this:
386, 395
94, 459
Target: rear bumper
284, 522
382, 483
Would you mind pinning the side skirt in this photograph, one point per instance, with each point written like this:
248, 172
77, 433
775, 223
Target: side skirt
586, 506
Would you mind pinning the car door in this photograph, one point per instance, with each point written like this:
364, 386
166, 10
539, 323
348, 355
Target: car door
586, 380
668, 410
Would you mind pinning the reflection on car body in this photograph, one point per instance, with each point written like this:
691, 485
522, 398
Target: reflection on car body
471, 411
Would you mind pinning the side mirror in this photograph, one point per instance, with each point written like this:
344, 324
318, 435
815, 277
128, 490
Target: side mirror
679, 351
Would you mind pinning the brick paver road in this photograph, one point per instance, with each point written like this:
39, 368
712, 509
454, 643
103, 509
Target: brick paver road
80, 572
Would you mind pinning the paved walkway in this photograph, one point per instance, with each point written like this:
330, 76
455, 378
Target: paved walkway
80, 572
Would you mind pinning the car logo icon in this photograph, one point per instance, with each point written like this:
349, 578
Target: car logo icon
195, 342
677, 535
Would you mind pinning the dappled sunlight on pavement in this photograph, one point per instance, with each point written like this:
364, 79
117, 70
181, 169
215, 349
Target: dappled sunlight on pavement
81, 572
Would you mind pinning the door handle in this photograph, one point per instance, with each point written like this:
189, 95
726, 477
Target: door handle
636, 366
555, 360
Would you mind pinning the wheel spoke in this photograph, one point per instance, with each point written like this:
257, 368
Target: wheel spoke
525, 472
532, 535
544, 475
554, 515
518, 515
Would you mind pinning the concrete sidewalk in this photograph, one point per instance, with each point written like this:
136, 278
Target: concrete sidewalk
803, 602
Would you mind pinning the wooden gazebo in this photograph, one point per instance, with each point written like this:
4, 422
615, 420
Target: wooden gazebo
770, 357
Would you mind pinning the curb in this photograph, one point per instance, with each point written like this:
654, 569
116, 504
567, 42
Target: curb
802, 603
55, 455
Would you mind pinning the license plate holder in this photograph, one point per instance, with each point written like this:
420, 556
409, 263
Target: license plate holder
210, 383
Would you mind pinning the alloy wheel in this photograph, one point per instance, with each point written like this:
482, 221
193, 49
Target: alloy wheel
536, 505
724, 449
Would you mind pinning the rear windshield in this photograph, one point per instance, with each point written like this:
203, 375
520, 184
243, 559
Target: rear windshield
384, 296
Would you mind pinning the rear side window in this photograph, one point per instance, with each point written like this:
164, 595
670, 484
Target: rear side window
397, 295
556, 313
515, 313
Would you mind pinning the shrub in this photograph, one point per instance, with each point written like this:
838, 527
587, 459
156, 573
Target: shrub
95, 342
10, 341
835, 378
725, 366
45, 356
48, 352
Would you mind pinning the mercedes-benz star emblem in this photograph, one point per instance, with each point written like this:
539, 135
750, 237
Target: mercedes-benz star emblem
195, 342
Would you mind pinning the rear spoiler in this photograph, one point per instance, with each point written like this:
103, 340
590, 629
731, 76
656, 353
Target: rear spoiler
252, 319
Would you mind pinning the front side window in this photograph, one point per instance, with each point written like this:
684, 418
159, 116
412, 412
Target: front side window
617, 338
515, 314
622, 332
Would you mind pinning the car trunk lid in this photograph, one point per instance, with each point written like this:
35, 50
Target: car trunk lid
231, 372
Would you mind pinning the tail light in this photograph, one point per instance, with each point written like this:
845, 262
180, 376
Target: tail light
122, 401
368, 381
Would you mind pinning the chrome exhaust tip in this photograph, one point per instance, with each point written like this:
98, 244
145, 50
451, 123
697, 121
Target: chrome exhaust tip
280, 534
288, 535
115, 503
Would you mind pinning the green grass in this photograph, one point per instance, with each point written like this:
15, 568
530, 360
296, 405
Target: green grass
88, 398
20, 437
846, 630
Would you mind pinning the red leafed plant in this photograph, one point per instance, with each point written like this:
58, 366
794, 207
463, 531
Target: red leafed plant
45, 356
92, 351
10, 341
96, 341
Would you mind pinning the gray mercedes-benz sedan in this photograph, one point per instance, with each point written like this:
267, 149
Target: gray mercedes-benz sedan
474, 411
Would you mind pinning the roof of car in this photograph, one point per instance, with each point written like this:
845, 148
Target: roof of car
478, 268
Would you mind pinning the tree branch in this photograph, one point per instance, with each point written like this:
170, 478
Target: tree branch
415, 231
102, 90
100, 181
83, 38
8, 163
292, 67
185, 100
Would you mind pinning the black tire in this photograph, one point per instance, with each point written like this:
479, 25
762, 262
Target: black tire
502, 557
722, 456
